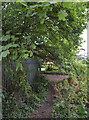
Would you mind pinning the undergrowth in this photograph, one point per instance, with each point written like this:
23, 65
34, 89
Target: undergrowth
24, 99
73, 101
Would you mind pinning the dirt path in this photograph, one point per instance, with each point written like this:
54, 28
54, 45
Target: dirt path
55, 77
45, 110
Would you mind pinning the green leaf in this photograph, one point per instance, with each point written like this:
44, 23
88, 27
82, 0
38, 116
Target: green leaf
31, 53
66, 4
0, 48
0, 57
5, 38
34, 14
18, 33
27, 15
23, 51
50, 8
5, 53
14, 57
42, 21
19, 65
62, 15
9, 45
14, 38
28, 37
6, 47
33, 46
8, 32
25, 56
18, 10
15, 45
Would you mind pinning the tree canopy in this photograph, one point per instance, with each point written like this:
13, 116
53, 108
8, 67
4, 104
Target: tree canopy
46, 30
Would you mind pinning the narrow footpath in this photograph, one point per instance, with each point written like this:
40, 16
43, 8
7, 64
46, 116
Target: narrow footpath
45, 110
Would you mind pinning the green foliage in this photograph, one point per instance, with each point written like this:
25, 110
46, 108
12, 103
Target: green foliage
62, 15
47, 30
4, 54
5, 48
74, 100
24, 99
38, 84
5, 38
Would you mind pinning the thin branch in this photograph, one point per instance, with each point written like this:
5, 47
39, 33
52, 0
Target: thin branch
5, 5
